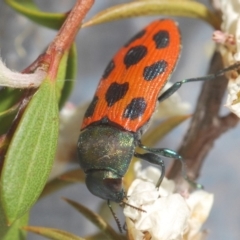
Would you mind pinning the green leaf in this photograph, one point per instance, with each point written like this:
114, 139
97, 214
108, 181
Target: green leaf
52, 233
154, 135
190, 9
97, 220
29, 9
6, 118
30, 154
15, 230
73, 176
71, 73
53, 186
60, 78
9, 97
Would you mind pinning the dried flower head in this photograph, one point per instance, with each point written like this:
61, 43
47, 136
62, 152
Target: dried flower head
229, 39
169, 215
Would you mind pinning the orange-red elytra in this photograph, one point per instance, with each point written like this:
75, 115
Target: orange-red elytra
128, 91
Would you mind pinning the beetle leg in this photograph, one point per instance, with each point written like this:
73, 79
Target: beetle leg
154, 159
166, 152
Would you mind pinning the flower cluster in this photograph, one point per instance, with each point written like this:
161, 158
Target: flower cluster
168, 215
229, 38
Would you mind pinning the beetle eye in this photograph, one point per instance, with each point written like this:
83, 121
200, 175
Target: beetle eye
113, 184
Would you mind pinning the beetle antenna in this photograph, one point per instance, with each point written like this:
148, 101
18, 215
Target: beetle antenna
115, 216
134, 207
177, 85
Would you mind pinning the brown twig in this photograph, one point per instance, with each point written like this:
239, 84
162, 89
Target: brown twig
206, 125
64, 39
66, 36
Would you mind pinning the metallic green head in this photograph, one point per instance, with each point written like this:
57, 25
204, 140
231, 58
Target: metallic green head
105, 153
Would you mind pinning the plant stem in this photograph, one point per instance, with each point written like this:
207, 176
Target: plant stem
66, 36
206, 125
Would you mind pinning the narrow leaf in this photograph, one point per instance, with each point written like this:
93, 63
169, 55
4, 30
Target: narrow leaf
61, 75
76, 175
52, 233
15, 230
99, 236
53, 186
6, 118
30, 154
156, 134
95, 219
190, 9
30, 10
9, 98
63, 180
70, 77
9, 111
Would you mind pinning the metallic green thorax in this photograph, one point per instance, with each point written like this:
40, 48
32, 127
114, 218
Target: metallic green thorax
105, 153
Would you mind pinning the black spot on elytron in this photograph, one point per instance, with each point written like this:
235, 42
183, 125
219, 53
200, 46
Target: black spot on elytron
152, 71
91, 107
108, 70
137, 36
116, 92
135, 108
134, 55
161, 39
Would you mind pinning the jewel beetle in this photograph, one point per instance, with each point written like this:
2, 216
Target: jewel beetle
123, 105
